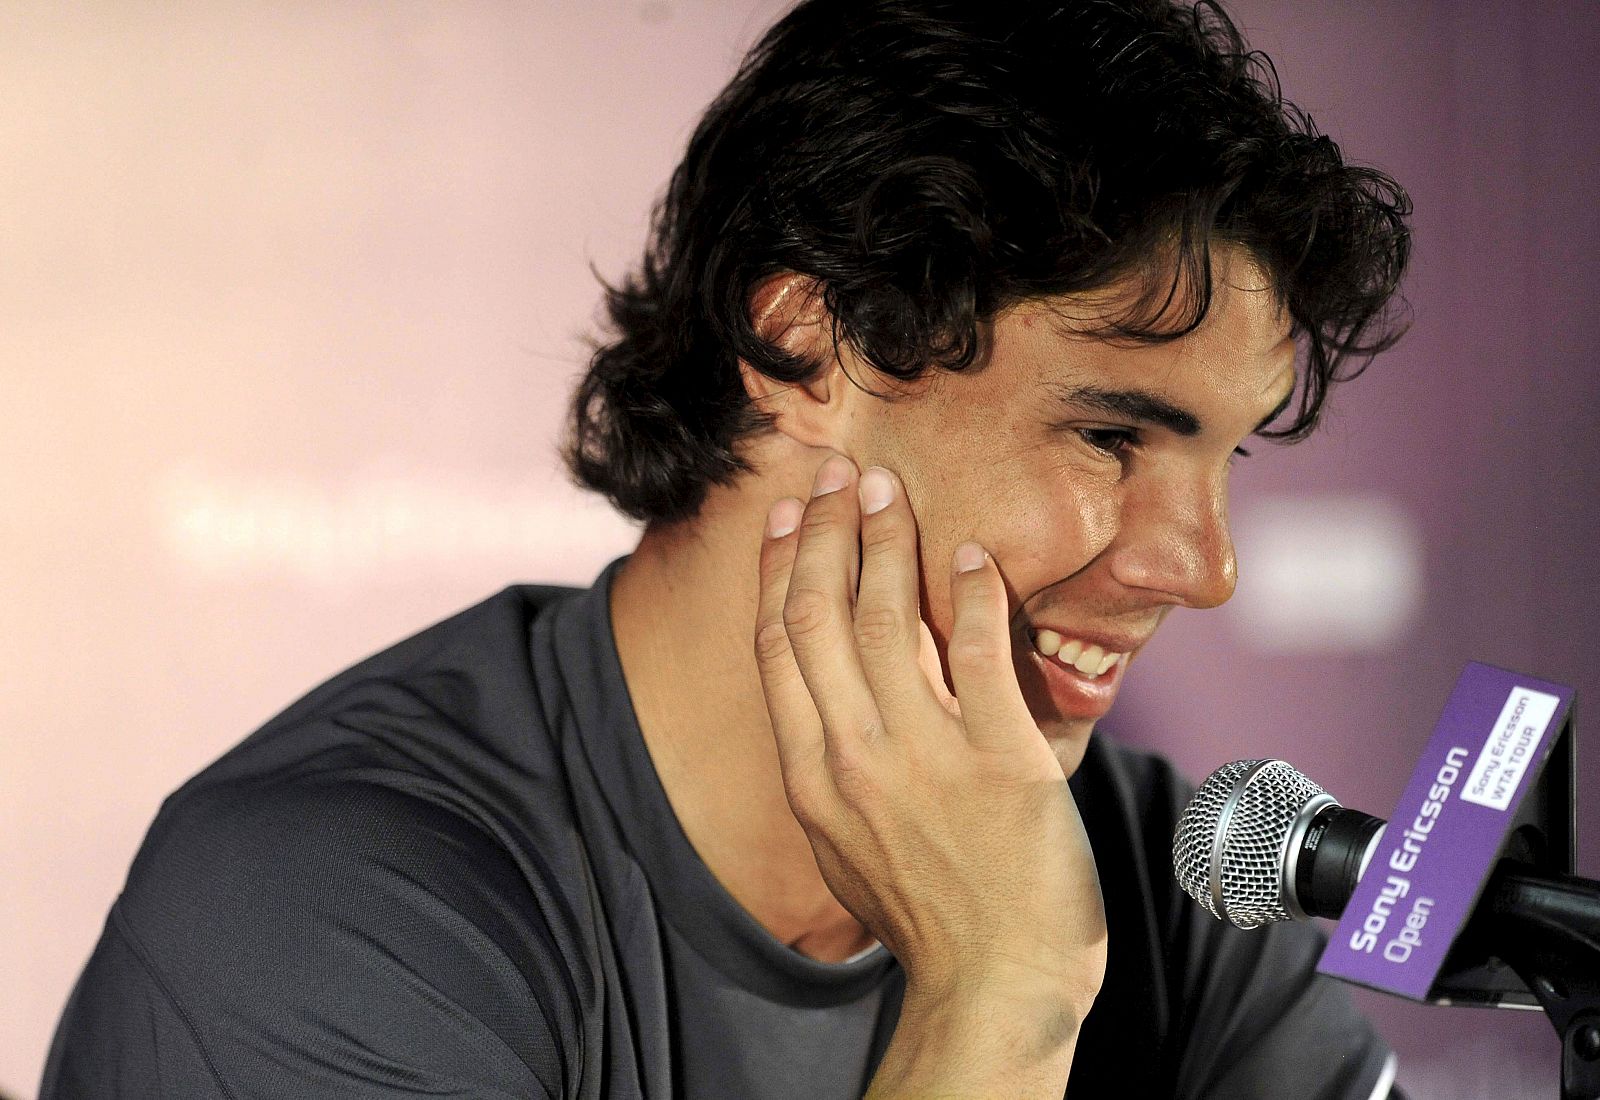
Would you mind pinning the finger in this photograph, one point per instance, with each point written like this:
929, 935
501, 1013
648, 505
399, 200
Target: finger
796, 726
818, 613
992, 707
886, 614
933, 669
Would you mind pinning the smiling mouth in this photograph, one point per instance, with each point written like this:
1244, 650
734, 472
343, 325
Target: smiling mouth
1085, 658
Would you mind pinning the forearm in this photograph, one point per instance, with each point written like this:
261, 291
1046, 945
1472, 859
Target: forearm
979, 1044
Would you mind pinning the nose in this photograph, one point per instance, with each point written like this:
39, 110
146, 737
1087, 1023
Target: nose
1174, 541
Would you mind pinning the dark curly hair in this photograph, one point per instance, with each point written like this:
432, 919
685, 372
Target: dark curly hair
930, 163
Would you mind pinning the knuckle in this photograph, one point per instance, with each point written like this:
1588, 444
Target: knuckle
881, 536
817, 520
852, 776
807, 611
772, 642
879, 627
803, 801
975, 650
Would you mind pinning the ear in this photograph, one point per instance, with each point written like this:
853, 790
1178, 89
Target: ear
787, 311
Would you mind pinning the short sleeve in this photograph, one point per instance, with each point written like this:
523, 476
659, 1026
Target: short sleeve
326, 937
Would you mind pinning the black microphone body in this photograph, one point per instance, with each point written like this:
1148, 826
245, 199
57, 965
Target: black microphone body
1516, 894
1339, 842
1333, 853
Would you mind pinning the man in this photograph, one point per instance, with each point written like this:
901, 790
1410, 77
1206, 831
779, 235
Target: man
954, 318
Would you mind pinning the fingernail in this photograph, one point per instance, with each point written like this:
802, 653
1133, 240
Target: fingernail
783, 518
970, 556
877, 489
832, 476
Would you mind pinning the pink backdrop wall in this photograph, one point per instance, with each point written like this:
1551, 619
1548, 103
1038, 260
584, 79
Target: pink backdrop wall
292, 297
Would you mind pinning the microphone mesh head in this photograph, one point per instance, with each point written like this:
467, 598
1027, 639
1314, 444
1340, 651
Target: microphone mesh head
1244, 813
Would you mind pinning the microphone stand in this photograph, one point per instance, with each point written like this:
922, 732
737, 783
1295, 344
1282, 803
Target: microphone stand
1546, 927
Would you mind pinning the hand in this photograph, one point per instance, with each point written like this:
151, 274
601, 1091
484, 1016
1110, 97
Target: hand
943, 823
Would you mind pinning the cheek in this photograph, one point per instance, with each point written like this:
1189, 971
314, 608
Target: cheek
1042, 527
1047, 530
952, 506
1042, 517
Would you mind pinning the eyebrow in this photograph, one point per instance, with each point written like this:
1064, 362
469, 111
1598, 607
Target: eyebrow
1146, 407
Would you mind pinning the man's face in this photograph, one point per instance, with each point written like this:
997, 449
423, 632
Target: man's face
1095, 474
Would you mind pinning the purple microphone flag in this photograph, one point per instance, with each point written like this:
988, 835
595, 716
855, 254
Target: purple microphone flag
1442, 839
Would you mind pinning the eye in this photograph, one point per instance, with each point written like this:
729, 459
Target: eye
1111, 441
1241, 452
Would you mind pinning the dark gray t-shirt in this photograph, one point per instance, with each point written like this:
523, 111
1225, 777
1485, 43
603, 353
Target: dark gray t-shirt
452, 871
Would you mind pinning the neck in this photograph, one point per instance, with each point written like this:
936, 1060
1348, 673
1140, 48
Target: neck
683, 610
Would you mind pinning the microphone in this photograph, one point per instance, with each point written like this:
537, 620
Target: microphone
1259, 842
1474, 900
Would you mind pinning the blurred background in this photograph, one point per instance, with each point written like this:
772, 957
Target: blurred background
292, 296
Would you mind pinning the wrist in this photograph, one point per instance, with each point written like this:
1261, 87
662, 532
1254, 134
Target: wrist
991, 1037
1014, 990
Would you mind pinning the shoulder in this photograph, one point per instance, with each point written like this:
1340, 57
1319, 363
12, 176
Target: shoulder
330, 831
376, 889
441, 731
321, 873
379, 797
349, 911
471, 653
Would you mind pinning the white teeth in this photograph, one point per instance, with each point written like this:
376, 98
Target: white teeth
1091, 661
